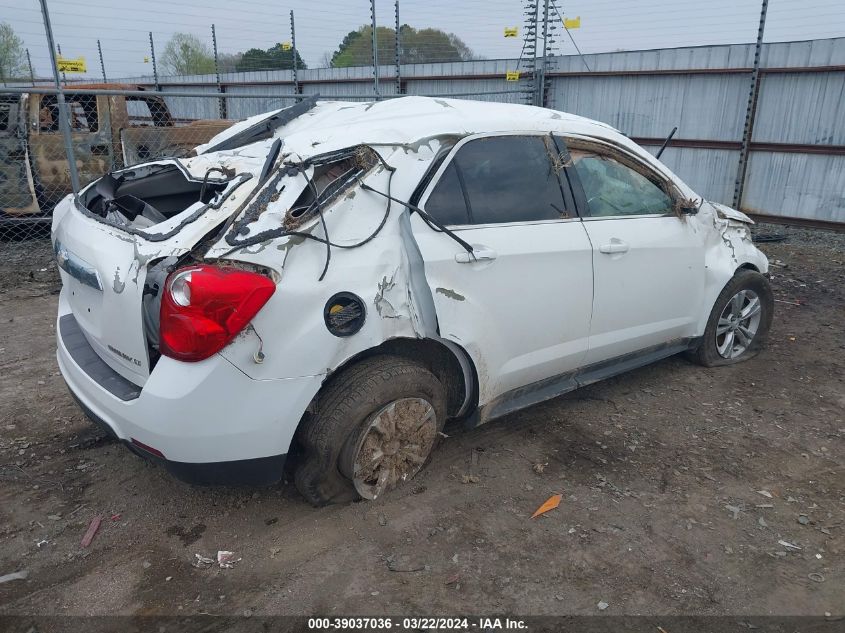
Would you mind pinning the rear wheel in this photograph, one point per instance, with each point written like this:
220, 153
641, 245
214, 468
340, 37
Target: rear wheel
739, 322
375, 427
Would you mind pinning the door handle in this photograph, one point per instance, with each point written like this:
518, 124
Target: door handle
615, 246
477, 255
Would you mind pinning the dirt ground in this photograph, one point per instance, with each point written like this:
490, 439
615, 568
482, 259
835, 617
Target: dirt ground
685, 491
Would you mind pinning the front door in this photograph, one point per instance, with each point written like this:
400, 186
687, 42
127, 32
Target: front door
520, 305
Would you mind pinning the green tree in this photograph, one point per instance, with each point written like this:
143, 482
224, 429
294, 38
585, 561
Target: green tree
416, 46
186, 54
12, 54
273, 58
229, 61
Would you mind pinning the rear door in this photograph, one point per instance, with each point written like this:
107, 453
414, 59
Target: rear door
521, 305
648, 261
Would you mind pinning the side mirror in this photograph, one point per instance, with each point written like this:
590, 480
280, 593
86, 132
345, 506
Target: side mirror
689, 206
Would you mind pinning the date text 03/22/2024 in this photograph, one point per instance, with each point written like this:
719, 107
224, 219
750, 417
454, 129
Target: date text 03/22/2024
416, 623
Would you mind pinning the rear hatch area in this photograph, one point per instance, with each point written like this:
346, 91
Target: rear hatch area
124, 226
106, 309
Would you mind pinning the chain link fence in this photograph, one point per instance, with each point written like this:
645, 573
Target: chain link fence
107, 131
58, 135
112, 126
179, 101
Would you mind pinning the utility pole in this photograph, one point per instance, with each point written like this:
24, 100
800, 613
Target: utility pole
102, 65
750, 111
64, 113
398, 52
375, 49
221, 106
29, 63
153, 58
293, 48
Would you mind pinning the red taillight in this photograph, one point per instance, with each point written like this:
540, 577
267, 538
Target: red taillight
204, 307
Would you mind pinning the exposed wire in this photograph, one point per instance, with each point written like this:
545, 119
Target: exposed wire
319, 204
284, 232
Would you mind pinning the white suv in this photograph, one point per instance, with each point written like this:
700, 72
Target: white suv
329, 283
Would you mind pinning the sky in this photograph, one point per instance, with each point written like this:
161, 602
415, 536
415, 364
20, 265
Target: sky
606, 25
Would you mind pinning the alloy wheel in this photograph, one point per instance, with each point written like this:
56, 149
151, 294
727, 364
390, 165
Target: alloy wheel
738, 324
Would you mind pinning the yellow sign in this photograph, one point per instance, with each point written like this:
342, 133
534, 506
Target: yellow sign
71, 65
146, 60
512, 75
511, 31
572, 23
286, 46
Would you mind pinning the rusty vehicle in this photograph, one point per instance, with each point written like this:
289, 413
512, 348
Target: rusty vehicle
108, 131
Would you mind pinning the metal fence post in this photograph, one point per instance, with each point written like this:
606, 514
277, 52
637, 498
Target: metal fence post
64, 76
29, 63
529, 50
64, 112
153, 58
541, 68
398, 52
293, 48
375, 49
750, 112
221, 104
102, 65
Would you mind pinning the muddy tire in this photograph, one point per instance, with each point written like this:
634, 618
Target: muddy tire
383, 406
739, 322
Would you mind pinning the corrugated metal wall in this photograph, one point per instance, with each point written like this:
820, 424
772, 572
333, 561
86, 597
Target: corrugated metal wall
797, 160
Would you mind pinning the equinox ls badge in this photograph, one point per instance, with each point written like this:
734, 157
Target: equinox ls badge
123, 355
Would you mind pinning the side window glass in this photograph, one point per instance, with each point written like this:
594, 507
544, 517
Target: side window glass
446, 202
510, 179
614, 189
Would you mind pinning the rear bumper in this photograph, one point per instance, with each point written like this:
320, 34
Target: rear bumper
261, 471
204, 418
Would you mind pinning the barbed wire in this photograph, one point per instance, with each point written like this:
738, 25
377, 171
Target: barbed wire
606, 25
